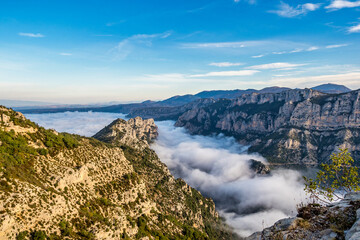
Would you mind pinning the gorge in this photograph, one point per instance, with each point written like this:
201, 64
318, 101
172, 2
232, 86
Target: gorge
217, 166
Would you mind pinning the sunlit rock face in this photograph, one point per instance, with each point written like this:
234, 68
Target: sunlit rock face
135, 132
296, 126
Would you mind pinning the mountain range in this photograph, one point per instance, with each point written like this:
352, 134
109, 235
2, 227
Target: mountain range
134, 109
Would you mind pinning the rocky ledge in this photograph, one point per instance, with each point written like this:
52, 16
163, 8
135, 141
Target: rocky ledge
340, 220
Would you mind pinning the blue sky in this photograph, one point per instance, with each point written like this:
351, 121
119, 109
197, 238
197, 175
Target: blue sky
97, 51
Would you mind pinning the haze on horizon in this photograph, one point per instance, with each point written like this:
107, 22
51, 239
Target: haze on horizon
100, 51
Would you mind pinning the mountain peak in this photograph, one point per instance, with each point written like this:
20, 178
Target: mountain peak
332, 88
135, 132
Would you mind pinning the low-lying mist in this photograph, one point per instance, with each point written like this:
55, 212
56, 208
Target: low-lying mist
217, 166
81, 123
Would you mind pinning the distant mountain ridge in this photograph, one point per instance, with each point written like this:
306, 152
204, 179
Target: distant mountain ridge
332, 88
174, 101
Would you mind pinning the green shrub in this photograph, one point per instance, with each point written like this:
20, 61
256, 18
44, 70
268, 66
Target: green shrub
340, 175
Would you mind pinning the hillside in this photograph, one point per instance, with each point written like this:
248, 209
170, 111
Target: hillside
63, 186
291, 127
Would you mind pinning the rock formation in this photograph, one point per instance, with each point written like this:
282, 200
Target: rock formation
339, 220
136, 132
296, 127
62, 186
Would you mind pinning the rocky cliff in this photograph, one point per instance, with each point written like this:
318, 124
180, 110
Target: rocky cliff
340, 220
62, 186
296, 126
135, 132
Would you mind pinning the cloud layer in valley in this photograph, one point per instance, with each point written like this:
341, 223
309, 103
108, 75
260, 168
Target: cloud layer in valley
217, 166
81, 123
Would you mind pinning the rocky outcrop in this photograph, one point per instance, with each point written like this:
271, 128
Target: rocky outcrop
135, 132
340, 220
71, 187
297, 126
258, 167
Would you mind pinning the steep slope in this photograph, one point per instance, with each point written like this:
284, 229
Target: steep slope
295, 126
63, 186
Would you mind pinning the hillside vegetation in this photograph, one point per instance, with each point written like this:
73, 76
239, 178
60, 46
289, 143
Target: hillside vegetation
62, 186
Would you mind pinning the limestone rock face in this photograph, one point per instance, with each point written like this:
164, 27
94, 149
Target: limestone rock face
295, 126
340, 220
63, 186
135, 132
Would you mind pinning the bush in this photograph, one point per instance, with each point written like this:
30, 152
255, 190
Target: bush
338, 177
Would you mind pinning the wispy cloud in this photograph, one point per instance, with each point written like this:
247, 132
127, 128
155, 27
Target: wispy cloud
110, 24
227, 73
285, 10
215, 45
65, 54
126, 46
313, 48
225, 64
336, 45
32, 35
247, 1
258, 56
354, 29
278, 65
339, 4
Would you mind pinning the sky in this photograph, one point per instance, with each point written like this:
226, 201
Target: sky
99, 51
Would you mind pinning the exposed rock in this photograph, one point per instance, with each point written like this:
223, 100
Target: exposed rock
297, 126
336, 221
258, 167
135, 132
80, 188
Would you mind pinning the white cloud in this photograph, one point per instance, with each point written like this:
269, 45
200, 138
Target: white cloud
225, 64
258, 56
296, 50
310, 49
65, 54
285, 10
354, 29
126, 46
278, 65
32, 35
339, 4
215, 45
227, 73
279, 53
337, 45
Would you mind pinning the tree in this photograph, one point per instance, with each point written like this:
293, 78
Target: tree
338, 177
